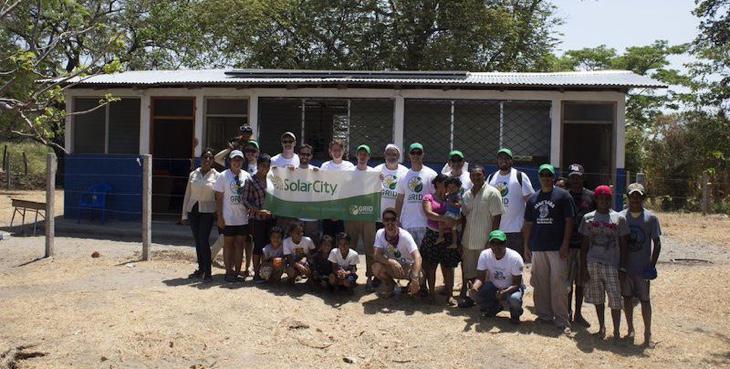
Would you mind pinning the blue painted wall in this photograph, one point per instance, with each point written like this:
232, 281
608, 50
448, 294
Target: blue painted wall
122, 172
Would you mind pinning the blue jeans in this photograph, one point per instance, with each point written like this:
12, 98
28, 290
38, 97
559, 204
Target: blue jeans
487, 300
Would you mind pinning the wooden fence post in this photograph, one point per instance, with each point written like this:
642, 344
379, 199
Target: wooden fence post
146, 205
705, 194
50, 203
7, 172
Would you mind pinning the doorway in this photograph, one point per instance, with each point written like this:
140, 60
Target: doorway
173, 122
587, 140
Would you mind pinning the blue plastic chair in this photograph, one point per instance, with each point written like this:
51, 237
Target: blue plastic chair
95, 199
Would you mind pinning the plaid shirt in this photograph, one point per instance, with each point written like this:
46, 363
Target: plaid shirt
255, 193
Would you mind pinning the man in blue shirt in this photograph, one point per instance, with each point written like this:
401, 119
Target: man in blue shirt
549, 221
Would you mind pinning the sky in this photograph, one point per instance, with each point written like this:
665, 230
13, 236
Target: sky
622, 23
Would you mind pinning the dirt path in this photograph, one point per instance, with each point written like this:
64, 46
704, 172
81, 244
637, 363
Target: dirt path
112, 312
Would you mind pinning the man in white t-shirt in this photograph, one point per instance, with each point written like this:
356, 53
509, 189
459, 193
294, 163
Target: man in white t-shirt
396, 256
232, 214
499, 283
361, 230
287, 157
311, 226
391, 172
332, 227
515, 188
411, 188
456, 168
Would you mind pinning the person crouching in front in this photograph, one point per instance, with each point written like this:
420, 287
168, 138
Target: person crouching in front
344, 263
297, 249
272, 257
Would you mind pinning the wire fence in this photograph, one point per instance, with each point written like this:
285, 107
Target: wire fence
104, 197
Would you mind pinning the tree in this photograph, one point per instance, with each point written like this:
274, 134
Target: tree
712, 48
45, 44
377, 34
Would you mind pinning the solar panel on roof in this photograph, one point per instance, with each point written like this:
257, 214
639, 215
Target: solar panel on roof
289, 73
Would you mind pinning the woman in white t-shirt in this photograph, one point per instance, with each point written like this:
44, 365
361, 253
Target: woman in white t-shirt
232, 214
332, 227
396, 256
344, 263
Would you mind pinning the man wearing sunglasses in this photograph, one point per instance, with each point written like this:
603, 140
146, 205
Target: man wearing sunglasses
498, 285
411, 188
391, 172
287, 157
396, 256
515, 188
457, 167
549, 218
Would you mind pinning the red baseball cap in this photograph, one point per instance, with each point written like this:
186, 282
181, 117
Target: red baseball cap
603, 190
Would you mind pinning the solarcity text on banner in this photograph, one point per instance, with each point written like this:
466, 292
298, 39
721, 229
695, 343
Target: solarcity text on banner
300, 193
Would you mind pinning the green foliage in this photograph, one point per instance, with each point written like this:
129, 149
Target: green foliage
35, 154
712, 48
703, 139
371, 35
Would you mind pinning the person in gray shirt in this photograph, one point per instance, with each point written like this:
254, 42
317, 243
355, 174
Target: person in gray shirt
641, 259
603, 255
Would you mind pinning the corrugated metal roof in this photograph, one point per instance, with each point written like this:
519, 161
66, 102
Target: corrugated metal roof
269, 77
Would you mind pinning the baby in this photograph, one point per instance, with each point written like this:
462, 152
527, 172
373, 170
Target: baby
453, 211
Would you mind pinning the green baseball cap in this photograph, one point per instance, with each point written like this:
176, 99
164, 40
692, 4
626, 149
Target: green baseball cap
363, 147
456, 153
497, 235
547, 167
253, 143
415, 146
505, 151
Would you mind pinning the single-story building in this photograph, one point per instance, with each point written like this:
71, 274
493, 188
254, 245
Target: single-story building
558, 118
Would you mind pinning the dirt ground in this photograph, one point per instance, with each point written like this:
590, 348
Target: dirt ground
116, 312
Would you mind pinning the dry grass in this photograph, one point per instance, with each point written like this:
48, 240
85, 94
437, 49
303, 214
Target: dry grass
114, 312
6, 208
693, 228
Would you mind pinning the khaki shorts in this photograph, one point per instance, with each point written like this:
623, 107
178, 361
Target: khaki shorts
635, 286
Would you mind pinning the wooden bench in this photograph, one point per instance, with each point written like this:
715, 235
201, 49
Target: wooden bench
23, 206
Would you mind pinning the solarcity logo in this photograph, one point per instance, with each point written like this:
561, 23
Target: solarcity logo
303, 186
361, 209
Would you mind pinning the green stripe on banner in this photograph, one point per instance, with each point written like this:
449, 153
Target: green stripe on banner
364, 208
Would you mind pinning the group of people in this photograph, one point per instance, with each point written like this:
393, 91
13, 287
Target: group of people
489, 224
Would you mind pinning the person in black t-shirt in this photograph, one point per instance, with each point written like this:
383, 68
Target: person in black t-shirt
584, 204
549, 218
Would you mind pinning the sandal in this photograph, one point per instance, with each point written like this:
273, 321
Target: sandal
452, 302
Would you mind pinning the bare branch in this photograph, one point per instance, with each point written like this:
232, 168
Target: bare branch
39, 140
65, 78
5, 12
87, 111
